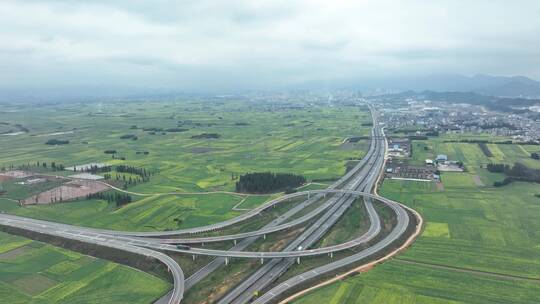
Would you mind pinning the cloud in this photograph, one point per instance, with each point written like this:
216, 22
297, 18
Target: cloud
199, 44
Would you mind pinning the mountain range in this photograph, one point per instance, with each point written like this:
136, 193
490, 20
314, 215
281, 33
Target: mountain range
501, 86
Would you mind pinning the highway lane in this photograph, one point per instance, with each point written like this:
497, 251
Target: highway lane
337, 209
216, 263
265, 230
306, 276
271, 271
240, 218
274, 228
178, 275
362, 174
402, 223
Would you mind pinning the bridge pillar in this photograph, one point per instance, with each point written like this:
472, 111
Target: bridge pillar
264, 236
298, 260
308, 194
234, 241
262, 261
226, 261
202, 244
324, 195
194, 257
331, 254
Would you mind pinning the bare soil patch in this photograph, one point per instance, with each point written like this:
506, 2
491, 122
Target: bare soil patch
449, 168
4, 178
15, 174
478, 181
68, 191
32, 181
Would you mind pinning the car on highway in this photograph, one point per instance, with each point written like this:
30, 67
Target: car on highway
183, 247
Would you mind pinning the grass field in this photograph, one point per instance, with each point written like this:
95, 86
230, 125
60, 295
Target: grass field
471, 154
399, 283
151, 213
305, 141
475, 229
254, 137
32, 272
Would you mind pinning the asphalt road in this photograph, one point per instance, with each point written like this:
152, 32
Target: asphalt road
80, 234
356, 171
354, 184
397, 232
266, 274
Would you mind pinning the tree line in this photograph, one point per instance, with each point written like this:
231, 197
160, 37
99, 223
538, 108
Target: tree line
93, 169
517, 172
504, 142
53, 165
127, 181
133, 170
485, 149
54, 142
266, 182
120, 199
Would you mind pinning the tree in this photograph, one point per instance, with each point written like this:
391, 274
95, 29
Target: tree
178, 221
535, 155
265, 182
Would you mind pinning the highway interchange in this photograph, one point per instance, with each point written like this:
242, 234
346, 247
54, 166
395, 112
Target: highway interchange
336, 199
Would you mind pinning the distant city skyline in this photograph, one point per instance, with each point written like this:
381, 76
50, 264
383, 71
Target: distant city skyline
219, 45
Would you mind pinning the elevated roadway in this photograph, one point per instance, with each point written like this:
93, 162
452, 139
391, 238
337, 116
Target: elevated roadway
354, 185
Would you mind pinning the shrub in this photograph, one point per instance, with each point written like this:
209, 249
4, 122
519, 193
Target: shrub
485, 149
266, 182
176, 130
54, 142
505, 181
206, 135
129, 136
290, 190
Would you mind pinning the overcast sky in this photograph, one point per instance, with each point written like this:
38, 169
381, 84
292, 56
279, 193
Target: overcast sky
241, 43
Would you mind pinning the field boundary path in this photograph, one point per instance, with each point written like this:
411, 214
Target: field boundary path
470, 271
364, 176
368, 266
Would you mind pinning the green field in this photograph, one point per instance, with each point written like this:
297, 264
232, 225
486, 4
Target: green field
254, 137
471, 154
473, 230
32, 272
304, 141
149, 213
399, 283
